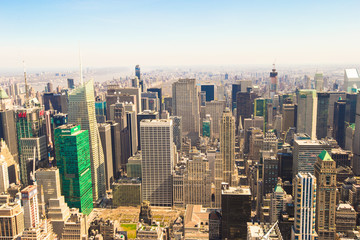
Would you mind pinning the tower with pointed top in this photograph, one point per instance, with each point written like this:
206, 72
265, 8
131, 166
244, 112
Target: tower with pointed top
325, 173
82, 112
273, 82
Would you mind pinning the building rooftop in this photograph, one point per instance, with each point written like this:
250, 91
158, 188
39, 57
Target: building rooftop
236, 191
351, 73
325, 156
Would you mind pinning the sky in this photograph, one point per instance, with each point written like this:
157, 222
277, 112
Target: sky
47, 34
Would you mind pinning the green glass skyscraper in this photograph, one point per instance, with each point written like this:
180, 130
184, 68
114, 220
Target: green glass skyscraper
73, 159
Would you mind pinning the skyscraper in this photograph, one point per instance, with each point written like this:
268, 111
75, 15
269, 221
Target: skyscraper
325, 173
351, 80
246, 101
73, 159
215, 110
236, 212
273, 82
4, 175
356, 141
209, 89
82, 112
339, 122
289, 116
186, 104
70, 83
55, 101
31, 207
105, 136
306, 112
138, 75
227, 145
11, 221
157, 161
322, 117
319, 81
305, 207
177, 132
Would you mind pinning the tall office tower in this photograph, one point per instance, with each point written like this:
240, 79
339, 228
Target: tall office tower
285, 157
273, 82
227, 144
246, 101
351, 80
116, 147
74, 162
339, 122
322, 117
334, 97
138, 75
261, 109
70, 83
131, 120
157, 161
218, 175
168, 105
12, 165
150, 101
289, 116
277, 202
31, 207
177, 132
75, 226
30, 127
325, 173
100, 111
209, 89
50, 87
356, 140
11, 221
305, 207
350, 107
4, 175
82, 112
270, 171
48, 182
306, 113
55, 101
135, 82
197, 182
305, 154
159, 92
105, 137
115, 94
186, 104
236, 212
147, 114
319, 82
307, 82
215, 110
235, 88
7, 130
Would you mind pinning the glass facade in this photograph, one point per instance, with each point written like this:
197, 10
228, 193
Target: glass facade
73, 159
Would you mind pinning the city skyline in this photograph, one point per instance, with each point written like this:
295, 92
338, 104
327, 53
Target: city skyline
156, 33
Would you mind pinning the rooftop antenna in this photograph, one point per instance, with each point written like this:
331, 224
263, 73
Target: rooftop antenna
274, 63
26, 88
81, 73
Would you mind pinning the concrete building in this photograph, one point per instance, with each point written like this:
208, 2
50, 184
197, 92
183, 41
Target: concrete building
227, 145
126, 192
319, 82
82, 112
215, 225
11, 221
133, 167
31, 207
178, 189
105, 137
289, 116
305, 154
345, 218
305, 207
58, 213
325, 173
48, 181
157, 160
185, 103
351, 80
177, 131
4, 175
306, 112
215, 110
322, 121
75, 226
259, 231
196, 222
197, 182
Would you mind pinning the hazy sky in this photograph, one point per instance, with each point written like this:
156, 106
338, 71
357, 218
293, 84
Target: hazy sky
155, 32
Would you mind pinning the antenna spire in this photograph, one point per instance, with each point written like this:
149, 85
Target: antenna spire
26, 88
81, 73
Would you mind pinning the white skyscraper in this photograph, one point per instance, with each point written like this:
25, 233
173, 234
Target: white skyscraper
157, 162
351, 79
31, 207
227, 144
305, 207
307, 110
82, 112
185, 102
